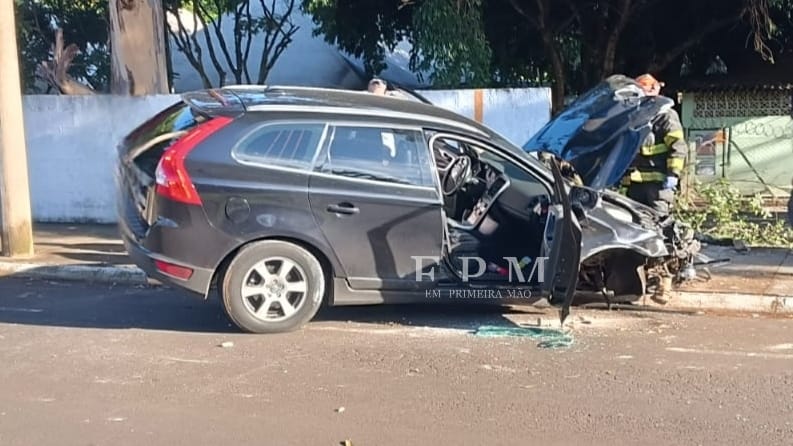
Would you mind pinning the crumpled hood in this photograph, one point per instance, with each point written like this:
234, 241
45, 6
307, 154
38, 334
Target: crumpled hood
600, 133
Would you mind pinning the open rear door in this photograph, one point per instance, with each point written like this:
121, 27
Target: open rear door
562, 247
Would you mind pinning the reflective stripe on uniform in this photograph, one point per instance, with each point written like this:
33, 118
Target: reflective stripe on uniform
675, 164
656, 149
644, 177
673, 136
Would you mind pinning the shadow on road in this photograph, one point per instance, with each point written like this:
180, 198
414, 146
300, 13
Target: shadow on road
99, 253
102, 306
462, 316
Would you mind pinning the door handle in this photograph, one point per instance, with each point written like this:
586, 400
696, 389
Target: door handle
343, 208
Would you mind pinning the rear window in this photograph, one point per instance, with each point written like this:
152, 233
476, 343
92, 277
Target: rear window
176, 118
173, 119
288, 145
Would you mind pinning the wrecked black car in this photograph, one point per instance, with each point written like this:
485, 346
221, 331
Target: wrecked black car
287, 198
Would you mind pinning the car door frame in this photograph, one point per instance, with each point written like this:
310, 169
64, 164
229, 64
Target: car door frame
563, 259
365, 283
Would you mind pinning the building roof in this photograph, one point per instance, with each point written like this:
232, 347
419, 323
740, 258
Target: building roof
745, 72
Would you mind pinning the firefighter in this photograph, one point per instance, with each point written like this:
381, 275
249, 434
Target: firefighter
655, 173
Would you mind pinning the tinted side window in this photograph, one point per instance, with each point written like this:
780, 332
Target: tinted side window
290, 145
390, 155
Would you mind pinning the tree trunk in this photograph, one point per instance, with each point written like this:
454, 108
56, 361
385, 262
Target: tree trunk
137, 43
539, 21
613, 39
558, 87
604, 33
168, 55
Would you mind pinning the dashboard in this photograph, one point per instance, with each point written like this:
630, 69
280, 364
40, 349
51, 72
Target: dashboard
517, 192
496, 183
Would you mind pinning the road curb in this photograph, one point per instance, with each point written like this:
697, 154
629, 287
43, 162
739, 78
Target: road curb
124, 274
738, 302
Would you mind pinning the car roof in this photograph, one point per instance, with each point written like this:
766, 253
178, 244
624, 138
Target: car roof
344, 103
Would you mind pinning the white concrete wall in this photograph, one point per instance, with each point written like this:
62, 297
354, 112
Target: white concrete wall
71, 152
72, 142
516, 114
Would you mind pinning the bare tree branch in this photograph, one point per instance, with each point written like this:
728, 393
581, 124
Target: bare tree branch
275, 24
249, 20
182, 40
551, 44
759, 19
194, 40
239, 33
565, 25
279, 30
529, 17
56, 71
202, 15
640, 7
670, 56
610, 56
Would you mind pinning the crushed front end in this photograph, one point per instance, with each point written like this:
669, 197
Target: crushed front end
631, 251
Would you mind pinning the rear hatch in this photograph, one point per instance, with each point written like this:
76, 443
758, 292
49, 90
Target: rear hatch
141, 150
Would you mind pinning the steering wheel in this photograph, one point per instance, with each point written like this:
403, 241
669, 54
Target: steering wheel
456, 175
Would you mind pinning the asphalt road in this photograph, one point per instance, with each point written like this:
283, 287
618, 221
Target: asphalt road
85, 365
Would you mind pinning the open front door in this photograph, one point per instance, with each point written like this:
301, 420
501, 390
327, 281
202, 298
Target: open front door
562, 247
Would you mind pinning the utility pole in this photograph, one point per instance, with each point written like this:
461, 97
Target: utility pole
138, 60
16, 232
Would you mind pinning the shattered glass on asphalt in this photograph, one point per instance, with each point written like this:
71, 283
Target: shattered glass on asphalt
548, 337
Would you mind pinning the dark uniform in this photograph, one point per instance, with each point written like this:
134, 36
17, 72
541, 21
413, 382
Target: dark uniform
662, 155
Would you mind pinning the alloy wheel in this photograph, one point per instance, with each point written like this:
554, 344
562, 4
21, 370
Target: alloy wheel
274, 289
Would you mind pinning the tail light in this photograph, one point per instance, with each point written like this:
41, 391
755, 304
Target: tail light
172, 179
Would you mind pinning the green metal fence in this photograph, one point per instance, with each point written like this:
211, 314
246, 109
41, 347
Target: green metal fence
746, 138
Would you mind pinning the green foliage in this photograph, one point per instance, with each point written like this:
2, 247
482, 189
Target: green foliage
363, 28
723, 212
513, 42
209, 9
474, 42
84, 23
449, 34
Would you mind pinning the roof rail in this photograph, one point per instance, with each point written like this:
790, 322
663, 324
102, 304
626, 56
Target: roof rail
211, 101
245, 87
366, 112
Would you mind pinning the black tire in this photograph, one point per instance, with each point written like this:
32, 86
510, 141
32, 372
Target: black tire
238, 307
